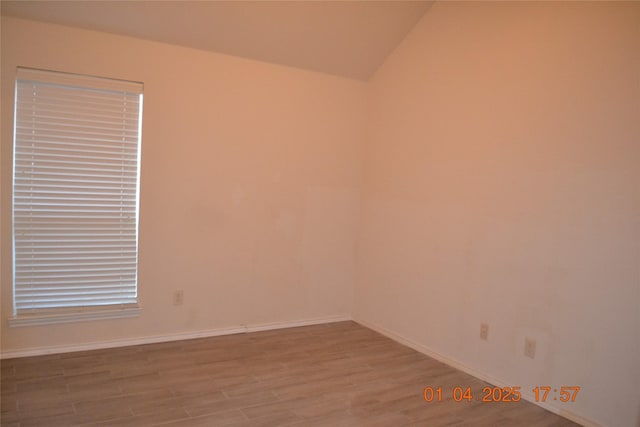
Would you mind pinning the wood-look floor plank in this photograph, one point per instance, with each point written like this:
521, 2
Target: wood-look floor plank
334, 375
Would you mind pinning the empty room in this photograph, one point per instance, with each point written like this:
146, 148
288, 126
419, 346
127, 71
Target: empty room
320, 213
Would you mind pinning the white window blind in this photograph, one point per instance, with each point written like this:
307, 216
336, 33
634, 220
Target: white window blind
75, 191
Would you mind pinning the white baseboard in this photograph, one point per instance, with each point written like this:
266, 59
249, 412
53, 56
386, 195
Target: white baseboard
39, 351
478, 374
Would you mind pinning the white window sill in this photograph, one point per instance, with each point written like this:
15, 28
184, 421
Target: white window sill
70, 317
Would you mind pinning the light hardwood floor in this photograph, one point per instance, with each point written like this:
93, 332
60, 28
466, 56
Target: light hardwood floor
340, 374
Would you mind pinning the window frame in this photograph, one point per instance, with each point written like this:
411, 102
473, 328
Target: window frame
95, 311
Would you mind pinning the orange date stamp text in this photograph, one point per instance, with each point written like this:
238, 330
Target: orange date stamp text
500, 394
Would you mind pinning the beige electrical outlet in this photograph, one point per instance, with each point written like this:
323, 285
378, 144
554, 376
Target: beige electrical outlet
484, 331
178, 298
530, 347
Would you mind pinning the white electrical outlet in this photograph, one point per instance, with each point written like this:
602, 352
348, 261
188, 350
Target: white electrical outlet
530, 347
178, 297
484, 331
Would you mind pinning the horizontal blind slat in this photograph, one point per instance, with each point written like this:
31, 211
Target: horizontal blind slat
70, 139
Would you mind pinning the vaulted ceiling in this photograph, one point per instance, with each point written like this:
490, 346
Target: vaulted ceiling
345, 38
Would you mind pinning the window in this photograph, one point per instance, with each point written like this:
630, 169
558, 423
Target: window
76, 174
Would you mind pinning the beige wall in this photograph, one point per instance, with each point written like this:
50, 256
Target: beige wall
503, 186
249, 189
